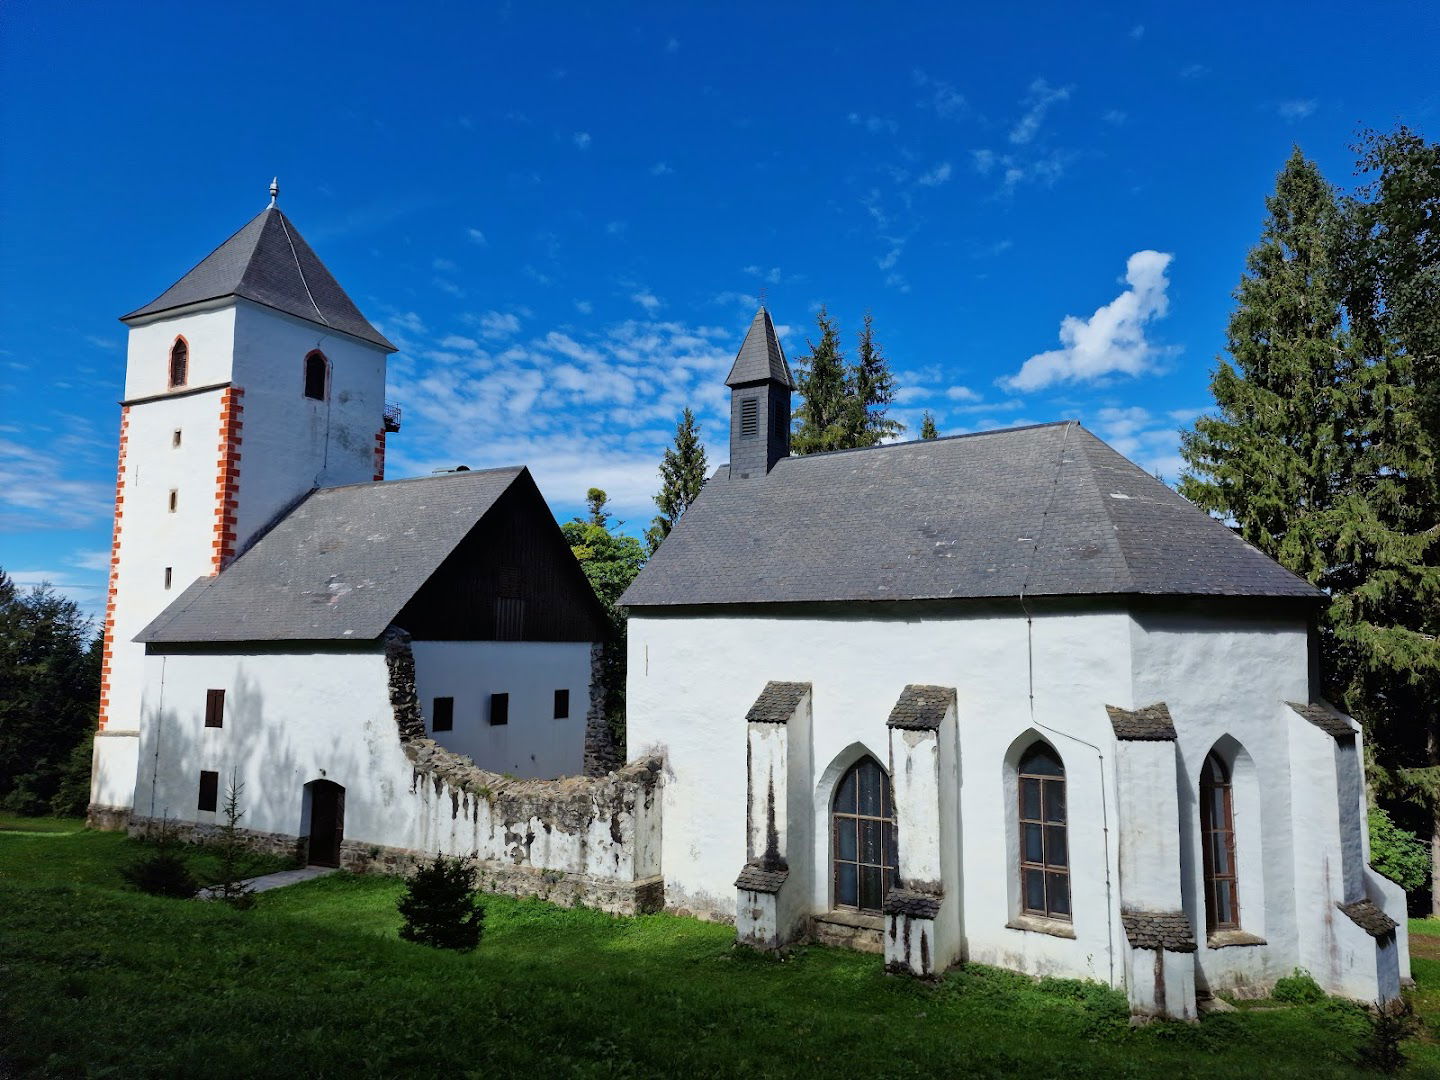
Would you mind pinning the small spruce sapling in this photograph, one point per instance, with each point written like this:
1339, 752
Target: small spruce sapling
234, 854
163, 872
440, 907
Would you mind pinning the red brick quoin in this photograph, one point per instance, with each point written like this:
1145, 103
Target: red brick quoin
227, 478
380, 455
106, 649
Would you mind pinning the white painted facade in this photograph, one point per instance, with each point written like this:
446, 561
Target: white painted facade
1226, 680
287, 444
534, 743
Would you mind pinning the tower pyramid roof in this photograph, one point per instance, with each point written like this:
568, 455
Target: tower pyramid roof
269, 262
760, 358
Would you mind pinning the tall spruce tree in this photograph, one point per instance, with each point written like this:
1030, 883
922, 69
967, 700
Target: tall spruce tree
928, 430
825, 389
1385, 625
1271, 455
682, 475
872, 391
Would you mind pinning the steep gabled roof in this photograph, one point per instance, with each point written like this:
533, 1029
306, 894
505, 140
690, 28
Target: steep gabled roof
760, 358
1048, 510
340, 566
269, 262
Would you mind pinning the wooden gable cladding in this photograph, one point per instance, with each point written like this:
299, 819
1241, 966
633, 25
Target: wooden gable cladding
513, 578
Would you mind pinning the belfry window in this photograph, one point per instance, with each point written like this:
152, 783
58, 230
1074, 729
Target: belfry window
179, 362
1217, 831
749, 418
1044, 845
317, 375
862, 833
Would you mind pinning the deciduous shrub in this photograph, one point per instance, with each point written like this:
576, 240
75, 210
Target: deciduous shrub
440, 907
1396, 853
1298, 988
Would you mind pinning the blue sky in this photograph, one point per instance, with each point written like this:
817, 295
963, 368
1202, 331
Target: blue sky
564, 214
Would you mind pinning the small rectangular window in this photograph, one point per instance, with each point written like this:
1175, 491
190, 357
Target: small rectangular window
174, 499
562, 704
499, 709
175, 437
209, 789
749, 418
169, 575
442, 714
214, 708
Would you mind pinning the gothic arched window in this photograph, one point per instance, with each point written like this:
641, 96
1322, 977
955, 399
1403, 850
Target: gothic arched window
317, 375
862, 830
1044, 845
179, 362
1217, 831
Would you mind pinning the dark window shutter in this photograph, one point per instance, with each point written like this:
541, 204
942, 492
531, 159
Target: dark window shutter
214, 708
209, 789
562, 704
499, 709
442, 714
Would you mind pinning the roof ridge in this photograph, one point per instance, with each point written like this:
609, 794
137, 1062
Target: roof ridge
448, 474
926, 442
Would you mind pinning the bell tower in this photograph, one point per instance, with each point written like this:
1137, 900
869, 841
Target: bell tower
250, 381
760, 388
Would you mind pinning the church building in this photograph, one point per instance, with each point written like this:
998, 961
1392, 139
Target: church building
282, 617
1003, 698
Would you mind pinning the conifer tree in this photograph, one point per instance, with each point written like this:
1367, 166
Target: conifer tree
928, 430
682, 475
825, 388
873, 389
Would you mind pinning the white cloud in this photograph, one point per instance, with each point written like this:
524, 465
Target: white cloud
1113, 338
1150, 441
476, 236
103, 342
961, 393
1039, 99
581, 139
444, 266
936, 176
1194, 71
616, 228
983, 160
1296, 109
771, 275
584, 307
496, 326
1137, 32
873, 124
647, 300
64, 478
449, 287
1115, 117
90, 560
947, 102
661, 168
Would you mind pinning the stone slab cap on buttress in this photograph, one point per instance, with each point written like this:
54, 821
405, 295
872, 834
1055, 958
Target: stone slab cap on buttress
1325, 718
1168, 930
922, 708
1364, 914
918, 905
777, 702
1150, 724
756, 878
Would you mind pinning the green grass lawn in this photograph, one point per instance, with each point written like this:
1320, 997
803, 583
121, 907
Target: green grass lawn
314, 981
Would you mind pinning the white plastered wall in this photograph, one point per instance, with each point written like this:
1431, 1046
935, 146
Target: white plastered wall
534, 743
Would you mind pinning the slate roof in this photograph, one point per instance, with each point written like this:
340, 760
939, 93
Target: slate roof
777, 702
921, 708
340, 566
269, 262
1326, 719
756, 878
1049, 509
1366, 915
1150, 724
760, 358
1168, 930
918, 905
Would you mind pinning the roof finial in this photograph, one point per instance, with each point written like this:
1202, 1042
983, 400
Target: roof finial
274, 190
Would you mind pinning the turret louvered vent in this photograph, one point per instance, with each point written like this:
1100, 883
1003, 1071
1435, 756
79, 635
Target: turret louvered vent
749, 418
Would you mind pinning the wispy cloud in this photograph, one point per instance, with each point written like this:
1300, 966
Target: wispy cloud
1115, 117
936, 176
1152, 442
63, 479
1296, 109
496, 325
1110, 341
661, 168
476, 236
769, 275
947, 102
581, 139
647, 300
584, 307
1194, 71
873, 124
1038, 101
1136, 32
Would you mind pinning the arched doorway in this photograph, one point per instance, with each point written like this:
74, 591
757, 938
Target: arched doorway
327, 822
862, 838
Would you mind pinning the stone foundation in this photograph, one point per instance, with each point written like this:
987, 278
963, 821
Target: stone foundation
849, 930
107, 818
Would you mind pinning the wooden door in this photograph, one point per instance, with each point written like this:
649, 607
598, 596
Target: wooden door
327, 823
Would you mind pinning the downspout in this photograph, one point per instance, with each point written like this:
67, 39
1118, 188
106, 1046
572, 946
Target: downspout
1030, 673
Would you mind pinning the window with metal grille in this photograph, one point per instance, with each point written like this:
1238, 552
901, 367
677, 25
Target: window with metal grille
442, 714
1044, 845
509, 618
179, 362
214, 708
749, 418
209, 790
562, 704
317, 375
862, 831
1217, 831
499, 709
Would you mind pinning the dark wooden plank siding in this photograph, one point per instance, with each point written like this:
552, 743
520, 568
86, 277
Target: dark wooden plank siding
512, 579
